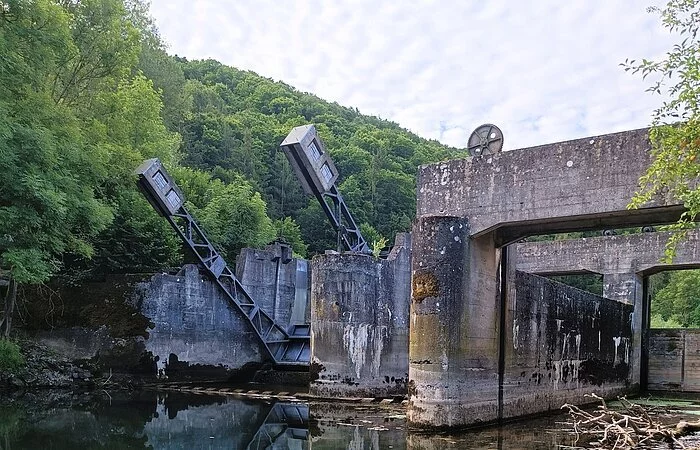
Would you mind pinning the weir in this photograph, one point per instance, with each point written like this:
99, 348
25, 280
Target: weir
457, 317
284, 346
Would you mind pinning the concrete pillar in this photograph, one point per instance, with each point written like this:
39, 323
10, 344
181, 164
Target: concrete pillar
359, 323
628, 288
453, 352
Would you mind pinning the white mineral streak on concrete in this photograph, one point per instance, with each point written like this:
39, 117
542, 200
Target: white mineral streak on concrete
573, 366
616, 341
358, 441
595, 314
358, 340
516, 332
355, 341
379, 335
578, 346
444, 361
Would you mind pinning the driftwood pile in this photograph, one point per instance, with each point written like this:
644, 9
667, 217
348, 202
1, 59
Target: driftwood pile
632, 426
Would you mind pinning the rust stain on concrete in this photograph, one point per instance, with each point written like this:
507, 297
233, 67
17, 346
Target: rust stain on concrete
425, 285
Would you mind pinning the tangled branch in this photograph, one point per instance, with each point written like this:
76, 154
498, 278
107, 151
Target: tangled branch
630, 427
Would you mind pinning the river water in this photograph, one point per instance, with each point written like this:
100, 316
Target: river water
177, 420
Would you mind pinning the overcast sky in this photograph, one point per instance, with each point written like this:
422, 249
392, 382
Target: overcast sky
542, 70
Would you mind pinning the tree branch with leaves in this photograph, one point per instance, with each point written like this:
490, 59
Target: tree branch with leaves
675, 127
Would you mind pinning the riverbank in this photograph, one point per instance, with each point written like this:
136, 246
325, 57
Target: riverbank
43, 368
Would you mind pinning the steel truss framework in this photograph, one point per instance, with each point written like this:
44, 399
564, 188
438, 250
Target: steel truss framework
283, 347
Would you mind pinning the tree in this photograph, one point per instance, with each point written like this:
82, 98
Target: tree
679, 300
232, 215
48, 203
675, 131
103, 49
288, 230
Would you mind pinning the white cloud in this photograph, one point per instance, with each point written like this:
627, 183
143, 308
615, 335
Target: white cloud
543, 71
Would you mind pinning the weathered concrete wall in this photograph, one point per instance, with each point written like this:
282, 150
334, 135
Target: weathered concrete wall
454, 343
674, 360
623, 260
566, 186
633, 253
562, 343
276, 281
195, 322
359, 323
183, 321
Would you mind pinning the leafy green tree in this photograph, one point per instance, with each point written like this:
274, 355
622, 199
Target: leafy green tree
675, 132
315, 229
48, 203
233, 215
288, 230
126, 127
103, 49
679, 300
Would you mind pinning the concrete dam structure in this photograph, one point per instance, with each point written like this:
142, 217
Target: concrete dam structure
460, 317
481, 330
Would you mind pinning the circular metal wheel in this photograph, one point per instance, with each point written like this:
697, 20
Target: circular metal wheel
609, 233
648, 229
487, 139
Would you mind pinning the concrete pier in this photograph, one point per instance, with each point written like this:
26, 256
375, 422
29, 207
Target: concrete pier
568, 186
359, 323
453, 372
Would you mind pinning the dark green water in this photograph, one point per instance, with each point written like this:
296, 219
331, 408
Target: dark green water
174, 420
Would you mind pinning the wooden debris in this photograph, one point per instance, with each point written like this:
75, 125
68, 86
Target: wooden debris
632, 426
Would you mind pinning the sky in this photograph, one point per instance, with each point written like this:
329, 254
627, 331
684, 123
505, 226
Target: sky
542, 70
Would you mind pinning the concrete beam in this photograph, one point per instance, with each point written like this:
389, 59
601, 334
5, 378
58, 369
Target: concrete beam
632, 253
574, 185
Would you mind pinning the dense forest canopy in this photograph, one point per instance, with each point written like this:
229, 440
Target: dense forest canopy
88, 91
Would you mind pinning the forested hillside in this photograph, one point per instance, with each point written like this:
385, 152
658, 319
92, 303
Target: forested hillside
88, 91
232, 121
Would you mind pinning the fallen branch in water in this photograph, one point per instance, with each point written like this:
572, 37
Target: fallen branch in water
630, 427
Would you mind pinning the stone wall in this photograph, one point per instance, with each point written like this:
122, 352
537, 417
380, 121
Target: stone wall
562, 343
674, 360
359, 323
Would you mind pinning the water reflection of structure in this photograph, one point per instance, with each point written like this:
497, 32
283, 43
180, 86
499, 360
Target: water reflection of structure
285, 426
167, 420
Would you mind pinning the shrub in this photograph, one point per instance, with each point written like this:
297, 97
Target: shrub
10, 356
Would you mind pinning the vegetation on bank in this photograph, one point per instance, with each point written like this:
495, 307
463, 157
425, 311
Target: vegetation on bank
675, 131
11, 358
